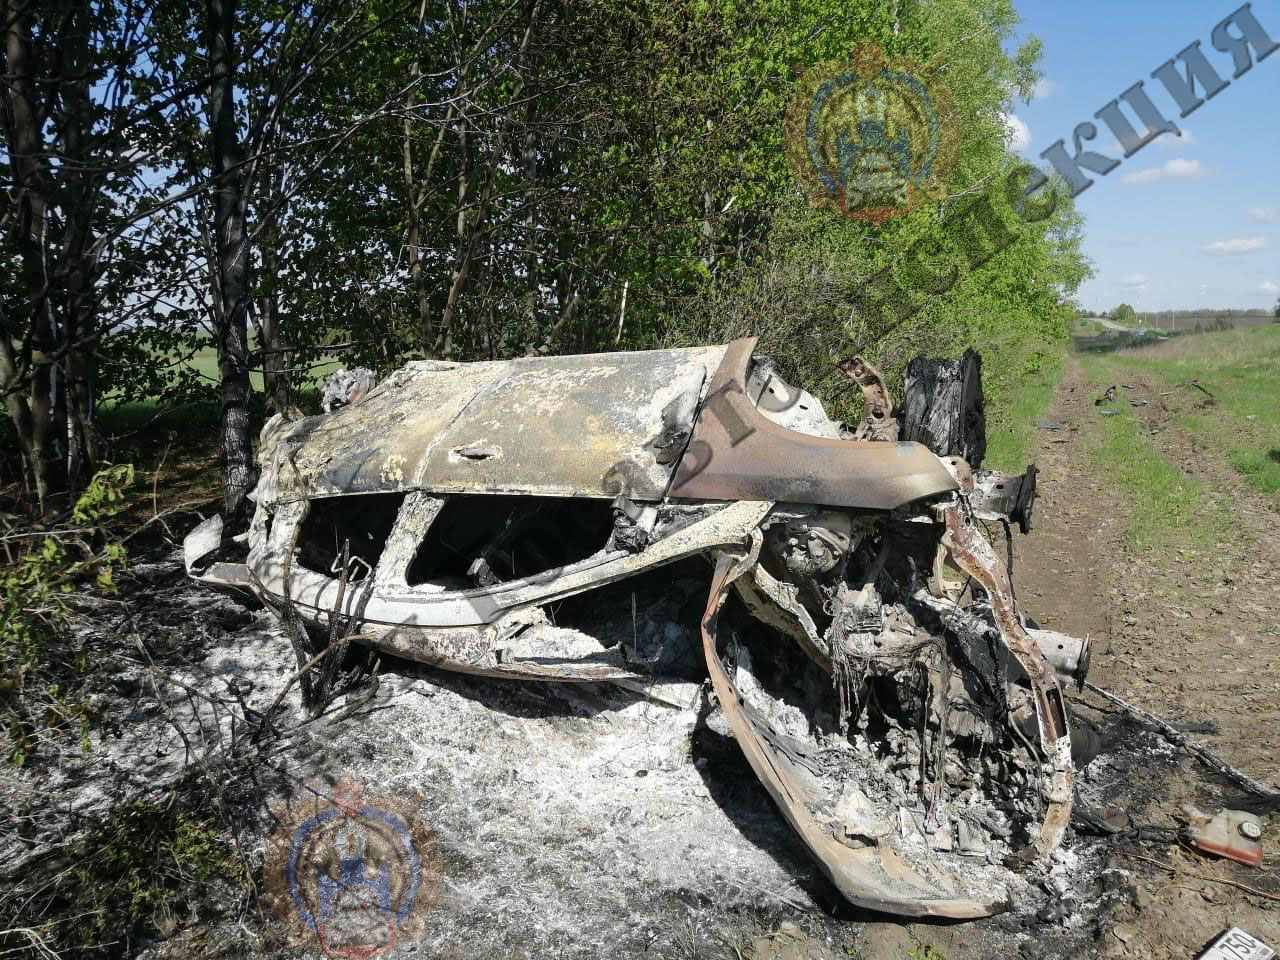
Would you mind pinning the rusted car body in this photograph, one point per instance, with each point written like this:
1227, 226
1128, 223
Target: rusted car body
482, 517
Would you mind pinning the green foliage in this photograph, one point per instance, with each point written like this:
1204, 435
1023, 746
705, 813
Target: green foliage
601, 148
1011, 425
104, 496
663, 172
799, 284
1125, 314
33, 588
146, 868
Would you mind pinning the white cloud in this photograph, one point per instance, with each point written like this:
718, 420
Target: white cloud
1045, 88
1136, 281
1268, 286
1017, 133
1237, 245
1175, 169
1265, 214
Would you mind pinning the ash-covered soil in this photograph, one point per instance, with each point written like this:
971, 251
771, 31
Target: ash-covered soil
573, 820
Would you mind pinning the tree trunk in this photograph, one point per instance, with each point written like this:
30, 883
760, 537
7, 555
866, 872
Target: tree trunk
444, 338
275, 361
231, 244
416, 194
532, 242
80, 305
31, 182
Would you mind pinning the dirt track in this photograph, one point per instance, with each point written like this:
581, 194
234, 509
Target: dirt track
1193, 637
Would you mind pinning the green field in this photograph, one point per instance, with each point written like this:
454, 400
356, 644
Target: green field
1240, 426
116, 417
205, 362
1241, 368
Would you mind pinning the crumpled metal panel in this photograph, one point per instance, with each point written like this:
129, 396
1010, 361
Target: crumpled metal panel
739, 453
592, 425
877, 876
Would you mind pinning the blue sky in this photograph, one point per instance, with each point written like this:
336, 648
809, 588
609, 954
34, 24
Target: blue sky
1189, 222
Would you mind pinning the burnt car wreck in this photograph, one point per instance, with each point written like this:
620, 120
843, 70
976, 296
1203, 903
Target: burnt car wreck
859, 630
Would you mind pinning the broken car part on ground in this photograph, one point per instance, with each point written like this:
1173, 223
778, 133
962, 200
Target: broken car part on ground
551, 518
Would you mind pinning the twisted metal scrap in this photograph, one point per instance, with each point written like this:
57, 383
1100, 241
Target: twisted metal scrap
877, 878
973, 554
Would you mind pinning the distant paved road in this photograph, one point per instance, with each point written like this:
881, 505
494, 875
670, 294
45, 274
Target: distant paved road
1121, 328
1112, 325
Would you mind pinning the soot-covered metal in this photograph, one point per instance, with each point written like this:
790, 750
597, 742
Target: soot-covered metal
859, 633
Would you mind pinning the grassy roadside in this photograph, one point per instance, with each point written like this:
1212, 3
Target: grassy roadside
1168, 507
1241, 368
1012, 415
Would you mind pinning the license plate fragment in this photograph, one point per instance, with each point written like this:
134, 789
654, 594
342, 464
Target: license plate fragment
1235, 944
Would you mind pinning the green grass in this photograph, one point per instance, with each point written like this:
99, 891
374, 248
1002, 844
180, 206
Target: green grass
1241, 368
924, 951
1168, 507
114, 417
1261, 470
205, 363
1012, 415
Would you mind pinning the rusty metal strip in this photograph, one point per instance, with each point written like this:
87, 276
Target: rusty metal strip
973, 554
875, 878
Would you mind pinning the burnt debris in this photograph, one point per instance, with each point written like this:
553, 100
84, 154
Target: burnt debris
626, 517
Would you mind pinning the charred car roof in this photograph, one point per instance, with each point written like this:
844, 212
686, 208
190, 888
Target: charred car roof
701, 423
